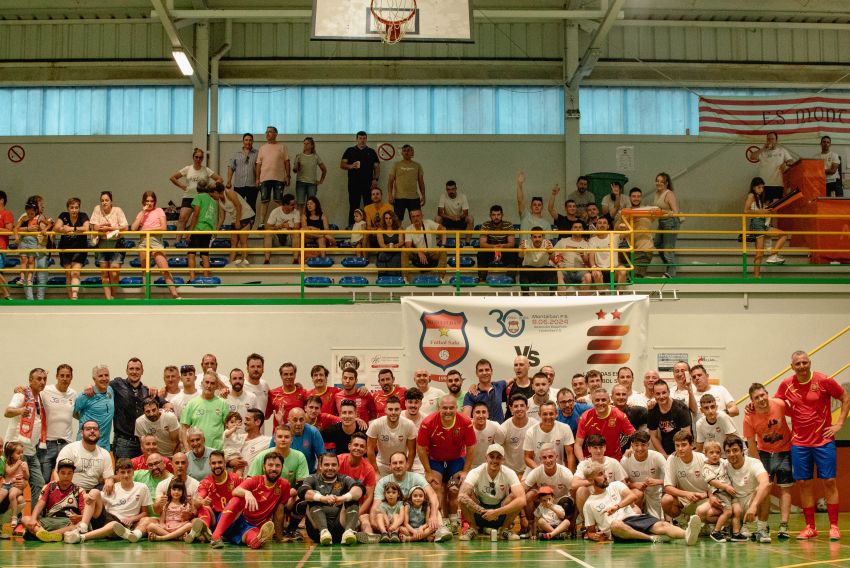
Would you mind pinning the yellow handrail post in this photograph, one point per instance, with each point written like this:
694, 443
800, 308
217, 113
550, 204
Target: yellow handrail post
744, 246
147, 267
457, 261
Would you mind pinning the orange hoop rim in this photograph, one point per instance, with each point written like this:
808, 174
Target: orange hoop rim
390, 23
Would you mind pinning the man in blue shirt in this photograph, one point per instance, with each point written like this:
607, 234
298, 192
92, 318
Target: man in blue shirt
99, 407
488, 391
305, 438
569, 411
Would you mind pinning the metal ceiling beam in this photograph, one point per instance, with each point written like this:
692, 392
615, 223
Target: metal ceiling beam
295, 14
737, 24
176, 42
591, 54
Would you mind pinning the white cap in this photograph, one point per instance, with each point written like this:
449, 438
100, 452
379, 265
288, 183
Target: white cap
496, 448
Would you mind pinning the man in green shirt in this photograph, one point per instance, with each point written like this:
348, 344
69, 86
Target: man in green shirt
294, 462
152, 476
207, 413
204, 218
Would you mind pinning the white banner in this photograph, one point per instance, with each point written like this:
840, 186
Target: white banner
751, 118
367, 361
572, 334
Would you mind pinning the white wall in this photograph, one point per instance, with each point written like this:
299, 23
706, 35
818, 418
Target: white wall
710, 176
756, 340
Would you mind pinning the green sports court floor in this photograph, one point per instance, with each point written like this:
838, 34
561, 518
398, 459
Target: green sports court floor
483, 554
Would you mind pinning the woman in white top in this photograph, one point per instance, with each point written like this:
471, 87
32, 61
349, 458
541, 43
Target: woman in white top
192, 174
234, 210
307, 181
152, 218
755, 203
108, 220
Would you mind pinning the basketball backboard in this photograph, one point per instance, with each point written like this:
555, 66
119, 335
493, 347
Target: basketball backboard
433, 21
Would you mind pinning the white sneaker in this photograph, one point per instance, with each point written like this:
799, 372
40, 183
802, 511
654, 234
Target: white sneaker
349, 537
197, 527
123, 532
325, 538
442, 535
73, 537
775, 259
245, 263
658, 538
692, 532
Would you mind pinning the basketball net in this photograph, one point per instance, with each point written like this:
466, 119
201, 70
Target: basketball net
395, 18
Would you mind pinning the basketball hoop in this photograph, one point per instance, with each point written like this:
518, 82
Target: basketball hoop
395, 18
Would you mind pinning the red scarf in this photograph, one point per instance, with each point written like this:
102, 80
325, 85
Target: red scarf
35, 405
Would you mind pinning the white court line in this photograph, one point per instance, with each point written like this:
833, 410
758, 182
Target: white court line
573, 558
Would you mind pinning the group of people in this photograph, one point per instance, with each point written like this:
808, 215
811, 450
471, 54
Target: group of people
516, 457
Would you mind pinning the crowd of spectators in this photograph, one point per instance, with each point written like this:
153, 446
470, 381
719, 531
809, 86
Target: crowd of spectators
227, 458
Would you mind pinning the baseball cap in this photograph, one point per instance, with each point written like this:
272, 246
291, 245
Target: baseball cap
65, 462
496, 448
545, 490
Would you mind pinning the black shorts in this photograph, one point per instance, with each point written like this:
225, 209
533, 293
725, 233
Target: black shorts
641, 523
457, 225
200, 241
66, 258
104, 519
186, 203
495, 523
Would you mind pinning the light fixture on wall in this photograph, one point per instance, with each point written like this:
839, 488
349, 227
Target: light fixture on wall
182, 62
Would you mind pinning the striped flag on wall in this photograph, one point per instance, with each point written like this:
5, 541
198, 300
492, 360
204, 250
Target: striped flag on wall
790, 116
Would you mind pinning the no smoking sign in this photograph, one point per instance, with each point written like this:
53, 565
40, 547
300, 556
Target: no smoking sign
16, 154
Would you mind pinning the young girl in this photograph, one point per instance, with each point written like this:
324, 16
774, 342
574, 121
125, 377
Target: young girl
31, 225
755, 203
391, 514
715, 474
551, 521
414, 526
357, 240
173, 523
234, 437
16, 470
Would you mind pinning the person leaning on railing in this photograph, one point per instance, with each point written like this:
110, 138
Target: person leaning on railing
643, 241
72, 226
152, 218
107, 220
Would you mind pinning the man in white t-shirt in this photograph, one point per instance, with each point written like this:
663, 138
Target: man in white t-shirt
412, 404
608, 514
642, 398
491, 496
602, 261
93, 464
511, 434
417, 241
535, 252
683, 389
255, 365
714, 426
114, 513
388, 435
255, 441
773, 161
283, 218
645, 474
58, 402
721, 394
542, 394
485, 432
453, 211
548, 474
163, 426
549, 431
751, 482
572, 261
685, 489
430, 395
238, 399
190, 390
832, 168
581, 480
29, 425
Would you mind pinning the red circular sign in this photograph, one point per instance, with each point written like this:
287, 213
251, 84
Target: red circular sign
16, 153
751, 154
386, 151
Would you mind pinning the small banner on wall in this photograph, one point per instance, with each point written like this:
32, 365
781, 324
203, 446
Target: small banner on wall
751, 118
570, 334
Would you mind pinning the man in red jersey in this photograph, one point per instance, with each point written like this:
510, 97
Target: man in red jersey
386, 380
319, 375
605, 420
247, 518
214, 493
364, 402
808, 395
355, 465
316, 416
445, 444
285, 397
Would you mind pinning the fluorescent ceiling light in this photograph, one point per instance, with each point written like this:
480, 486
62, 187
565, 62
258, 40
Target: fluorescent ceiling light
182, 62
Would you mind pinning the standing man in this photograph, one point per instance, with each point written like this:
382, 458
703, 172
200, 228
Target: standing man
724, 399
773, 161
364, 169
832, 168
338, 436
99, 406
549, 432
445, 445
130, 394
485, 433
29, 426
453, 211
255, 364
332, 503
570, 411
364, 402
163, 426
321, 389
511, 434
416, 241
206, 412
238, 399
58, 402
406, 184
7, 223
808, 395
191, 389
582, 197
769, 439
386, 380
642, 398
389, 434
682, 388
491, 496
430, 395
272, 173
666, 419
490, 392
605, 420
287, 396
242, 171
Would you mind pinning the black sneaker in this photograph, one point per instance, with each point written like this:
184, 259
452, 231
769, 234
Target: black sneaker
738, 537
718, 536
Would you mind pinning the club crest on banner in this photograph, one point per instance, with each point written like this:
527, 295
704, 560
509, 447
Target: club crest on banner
443, 341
